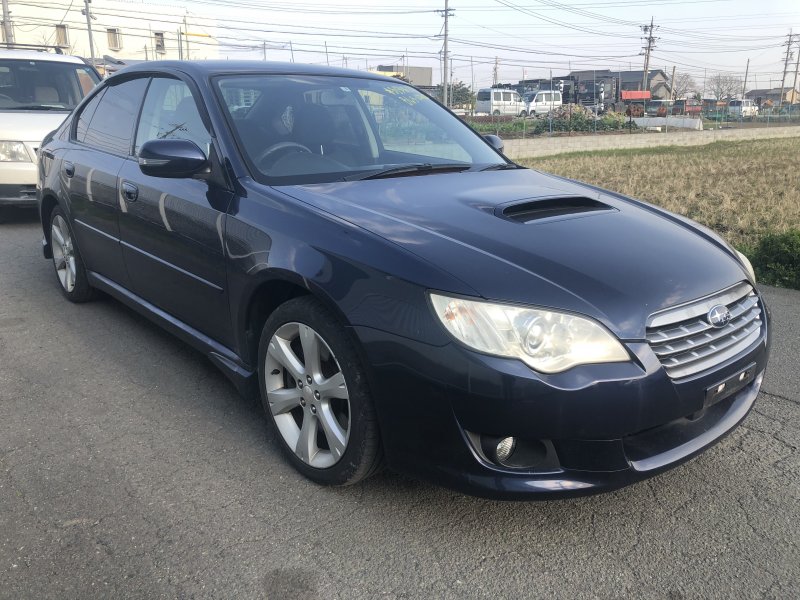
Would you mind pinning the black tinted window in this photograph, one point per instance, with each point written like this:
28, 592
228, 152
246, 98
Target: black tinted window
85, 116
111, 127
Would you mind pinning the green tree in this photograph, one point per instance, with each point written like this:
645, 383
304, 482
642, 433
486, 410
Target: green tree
460, 94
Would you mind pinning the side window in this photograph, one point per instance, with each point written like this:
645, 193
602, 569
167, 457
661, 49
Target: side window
506, 96
557, 96
85, 116
111, 127
170, 113
497, 96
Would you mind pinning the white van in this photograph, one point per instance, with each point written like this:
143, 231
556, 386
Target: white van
499, 101
37, 92
543, 101
742, 108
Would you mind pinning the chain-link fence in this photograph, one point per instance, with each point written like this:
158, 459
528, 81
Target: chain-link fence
589, 108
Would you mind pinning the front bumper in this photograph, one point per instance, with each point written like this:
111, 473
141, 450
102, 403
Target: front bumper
608, 425
18, 184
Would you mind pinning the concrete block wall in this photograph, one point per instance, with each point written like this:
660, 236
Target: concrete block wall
547, 146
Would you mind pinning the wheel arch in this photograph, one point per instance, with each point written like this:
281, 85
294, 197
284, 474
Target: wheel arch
48, 204
275, 288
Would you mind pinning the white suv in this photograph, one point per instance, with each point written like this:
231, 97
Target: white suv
37, 91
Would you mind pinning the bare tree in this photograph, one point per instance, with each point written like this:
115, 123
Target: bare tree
683, 84
724, 86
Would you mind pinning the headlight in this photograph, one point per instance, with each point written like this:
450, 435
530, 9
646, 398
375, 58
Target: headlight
545, 340
747, 265
13, 152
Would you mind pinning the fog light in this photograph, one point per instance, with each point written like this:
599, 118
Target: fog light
505, 448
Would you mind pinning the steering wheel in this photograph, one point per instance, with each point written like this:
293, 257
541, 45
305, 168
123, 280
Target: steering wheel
280, 147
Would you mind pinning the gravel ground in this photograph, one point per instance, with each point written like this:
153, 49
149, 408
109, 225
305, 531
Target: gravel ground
129, 467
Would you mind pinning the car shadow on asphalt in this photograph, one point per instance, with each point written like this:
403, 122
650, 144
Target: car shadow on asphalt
15, 215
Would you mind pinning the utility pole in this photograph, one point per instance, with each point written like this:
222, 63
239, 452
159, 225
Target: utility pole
88, 14
472, 74
7, 27
327, 60
648, 29
672, 84
186, 36
447, 14
180, 44
785, 67
494, 71
796, 69
265, 49
746, 73
291, 49
450, 95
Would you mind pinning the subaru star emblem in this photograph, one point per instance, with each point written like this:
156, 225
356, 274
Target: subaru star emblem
719, 316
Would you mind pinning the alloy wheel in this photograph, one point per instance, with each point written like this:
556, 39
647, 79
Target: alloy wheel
63, 253
307, 395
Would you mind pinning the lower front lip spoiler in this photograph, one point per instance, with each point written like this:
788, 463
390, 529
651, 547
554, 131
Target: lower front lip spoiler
740, 407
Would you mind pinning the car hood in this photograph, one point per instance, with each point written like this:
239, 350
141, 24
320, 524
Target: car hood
618, 263
29, 125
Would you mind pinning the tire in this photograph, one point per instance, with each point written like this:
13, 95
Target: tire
67, 260
313, 419
523, 114
496, 113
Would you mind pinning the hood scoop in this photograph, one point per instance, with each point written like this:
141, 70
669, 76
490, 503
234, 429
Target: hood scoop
541, 209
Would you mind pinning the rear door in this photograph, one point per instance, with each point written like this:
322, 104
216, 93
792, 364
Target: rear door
172, 230
102, 137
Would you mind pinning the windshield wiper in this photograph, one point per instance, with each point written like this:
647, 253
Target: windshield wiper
36, 107
502, 167
421, 169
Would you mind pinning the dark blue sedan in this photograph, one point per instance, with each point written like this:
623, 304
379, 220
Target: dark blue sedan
400, 293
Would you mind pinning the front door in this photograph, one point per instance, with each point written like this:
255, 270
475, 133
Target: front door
172, 230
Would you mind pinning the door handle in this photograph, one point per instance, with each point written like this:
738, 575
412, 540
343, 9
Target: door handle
130, 191
69, 169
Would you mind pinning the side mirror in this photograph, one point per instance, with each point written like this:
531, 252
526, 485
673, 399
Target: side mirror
171, 158
495, 142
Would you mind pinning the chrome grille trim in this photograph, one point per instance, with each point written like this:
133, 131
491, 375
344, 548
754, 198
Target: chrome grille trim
687, 344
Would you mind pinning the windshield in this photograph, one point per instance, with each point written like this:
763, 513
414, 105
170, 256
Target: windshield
296, 129
43, 84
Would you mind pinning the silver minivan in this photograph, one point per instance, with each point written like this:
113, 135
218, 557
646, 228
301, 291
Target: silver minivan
542, 102
499, 101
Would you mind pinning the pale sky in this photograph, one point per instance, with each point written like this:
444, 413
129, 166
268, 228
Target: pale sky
528, 36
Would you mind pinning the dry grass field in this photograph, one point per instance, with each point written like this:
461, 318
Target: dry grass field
742, 190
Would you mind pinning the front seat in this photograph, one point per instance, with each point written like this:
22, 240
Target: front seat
313, 127
46, 94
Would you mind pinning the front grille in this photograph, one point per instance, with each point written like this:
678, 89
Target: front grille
686, 343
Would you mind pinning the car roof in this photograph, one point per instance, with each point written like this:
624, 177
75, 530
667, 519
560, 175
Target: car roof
208, 68
36, 55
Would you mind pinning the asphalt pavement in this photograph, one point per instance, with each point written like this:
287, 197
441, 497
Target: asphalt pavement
130, 468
